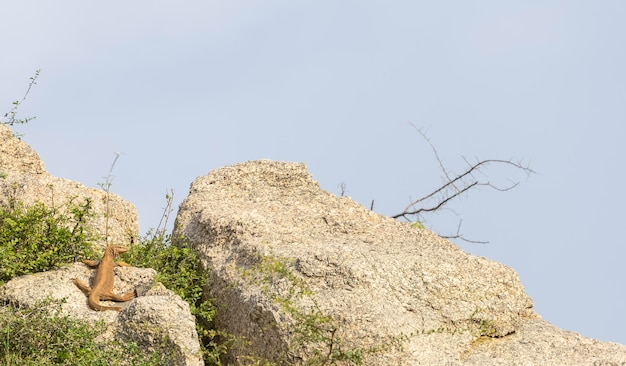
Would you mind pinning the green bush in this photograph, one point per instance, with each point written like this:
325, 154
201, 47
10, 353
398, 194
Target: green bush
41, 336
179, 269
39, 238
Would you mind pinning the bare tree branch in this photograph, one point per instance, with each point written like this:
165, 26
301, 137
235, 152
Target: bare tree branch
443, 169
342, 188
434, 208
456, 185
458, 235
465, 187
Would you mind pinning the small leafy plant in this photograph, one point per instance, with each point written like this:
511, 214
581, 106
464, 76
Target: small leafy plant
10, 118
39, 238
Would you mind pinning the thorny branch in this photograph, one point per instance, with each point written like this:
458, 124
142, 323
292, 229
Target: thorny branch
455, 186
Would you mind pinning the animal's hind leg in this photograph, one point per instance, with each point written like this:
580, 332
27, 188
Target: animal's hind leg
119, 298
84, 288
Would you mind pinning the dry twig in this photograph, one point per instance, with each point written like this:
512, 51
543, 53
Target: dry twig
455, 186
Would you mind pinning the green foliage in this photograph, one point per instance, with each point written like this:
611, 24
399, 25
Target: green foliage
179, 269
42, 336
485, 328
417, 225
39, 238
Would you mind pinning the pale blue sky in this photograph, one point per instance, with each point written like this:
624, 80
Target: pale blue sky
182, 88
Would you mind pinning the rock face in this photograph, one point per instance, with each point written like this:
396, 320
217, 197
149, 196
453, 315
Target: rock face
23, 178
144, 320
302, 276
17, 156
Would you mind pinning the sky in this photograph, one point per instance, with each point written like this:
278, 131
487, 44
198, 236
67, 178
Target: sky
183, 88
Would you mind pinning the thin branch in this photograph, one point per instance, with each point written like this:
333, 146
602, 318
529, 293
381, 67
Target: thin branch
167, 212
436, 207
459, 191
443, 169
342, 188
13, 112
458, 235
455, 186
106, 186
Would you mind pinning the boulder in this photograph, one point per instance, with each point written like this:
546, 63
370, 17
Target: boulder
156, 312
23, 178
301, 276
17, 156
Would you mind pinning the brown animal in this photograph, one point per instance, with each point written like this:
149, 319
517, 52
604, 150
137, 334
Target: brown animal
102, 288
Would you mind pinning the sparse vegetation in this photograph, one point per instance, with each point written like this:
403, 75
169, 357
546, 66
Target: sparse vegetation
10, 118
481, 329
106, 187
42, 336
40, 238
179, 269
484, 327
314, 332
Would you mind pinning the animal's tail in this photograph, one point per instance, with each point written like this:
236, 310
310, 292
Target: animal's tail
94, 303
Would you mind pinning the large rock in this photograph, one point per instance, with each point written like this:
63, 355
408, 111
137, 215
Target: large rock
17, 156
23, 178
145, 320
300, 275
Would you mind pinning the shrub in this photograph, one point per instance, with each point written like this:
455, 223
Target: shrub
179, 269
40, 238
41, 336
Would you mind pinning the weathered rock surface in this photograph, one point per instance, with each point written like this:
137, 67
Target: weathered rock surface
144, 320
23, 178
299, 274
17, 156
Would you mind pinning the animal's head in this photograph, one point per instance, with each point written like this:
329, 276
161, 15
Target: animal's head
115, 250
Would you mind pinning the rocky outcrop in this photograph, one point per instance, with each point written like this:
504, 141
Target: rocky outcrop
156, 319
16, 156
157, 315
302, 276
23, 178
